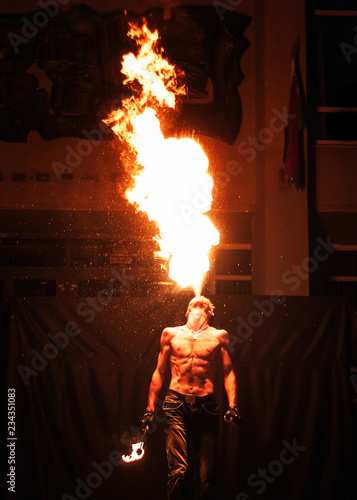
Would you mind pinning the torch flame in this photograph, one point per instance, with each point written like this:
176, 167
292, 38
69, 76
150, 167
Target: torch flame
137, 452
170, 182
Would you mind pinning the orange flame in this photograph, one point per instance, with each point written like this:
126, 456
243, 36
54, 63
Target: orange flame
137, 452
171, 182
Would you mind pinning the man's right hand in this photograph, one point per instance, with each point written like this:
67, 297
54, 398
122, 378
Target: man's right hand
232, 416
146, 421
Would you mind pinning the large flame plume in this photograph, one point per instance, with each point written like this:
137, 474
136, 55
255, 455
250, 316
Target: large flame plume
170, 179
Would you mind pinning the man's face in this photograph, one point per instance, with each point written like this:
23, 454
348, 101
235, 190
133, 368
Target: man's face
197, 312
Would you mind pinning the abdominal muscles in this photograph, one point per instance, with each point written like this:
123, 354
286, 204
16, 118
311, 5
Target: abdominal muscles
193, 363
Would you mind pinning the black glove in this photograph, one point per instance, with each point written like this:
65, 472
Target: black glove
147, 421
232, 415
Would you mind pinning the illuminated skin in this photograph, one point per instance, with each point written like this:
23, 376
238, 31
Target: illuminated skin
193, 362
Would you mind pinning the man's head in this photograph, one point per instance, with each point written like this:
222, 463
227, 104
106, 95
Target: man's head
202, 302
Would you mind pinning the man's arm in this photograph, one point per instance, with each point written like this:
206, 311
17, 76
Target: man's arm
158, 376
230, 383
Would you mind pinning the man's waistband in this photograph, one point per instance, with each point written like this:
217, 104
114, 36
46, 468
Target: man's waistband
192, 398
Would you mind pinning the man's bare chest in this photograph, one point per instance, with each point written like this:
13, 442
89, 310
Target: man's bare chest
205, 346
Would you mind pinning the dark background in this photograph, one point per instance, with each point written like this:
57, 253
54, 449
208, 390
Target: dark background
293, 385
60, 240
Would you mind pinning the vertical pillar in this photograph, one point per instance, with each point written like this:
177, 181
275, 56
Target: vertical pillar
280, 227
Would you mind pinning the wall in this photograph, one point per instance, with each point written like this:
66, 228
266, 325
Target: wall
280, 212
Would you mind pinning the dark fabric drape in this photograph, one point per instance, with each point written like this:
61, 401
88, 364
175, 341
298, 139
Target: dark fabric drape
81, 371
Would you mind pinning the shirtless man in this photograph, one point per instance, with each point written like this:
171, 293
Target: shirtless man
193, 351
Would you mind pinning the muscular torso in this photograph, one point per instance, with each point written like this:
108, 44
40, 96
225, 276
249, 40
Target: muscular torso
193, 362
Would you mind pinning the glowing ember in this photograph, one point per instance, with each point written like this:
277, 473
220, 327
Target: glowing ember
137, 452
170, 182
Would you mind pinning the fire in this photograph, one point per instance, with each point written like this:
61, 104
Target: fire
137, 452
170, 180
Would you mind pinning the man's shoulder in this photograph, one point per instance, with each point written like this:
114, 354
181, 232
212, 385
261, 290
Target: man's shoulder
219, 333
172, 329
216, 331
170, 332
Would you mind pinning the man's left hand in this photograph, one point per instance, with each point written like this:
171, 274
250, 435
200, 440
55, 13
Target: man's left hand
146, 421
232, 415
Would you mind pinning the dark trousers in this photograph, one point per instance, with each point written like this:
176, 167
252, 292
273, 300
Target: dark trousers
196, 421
